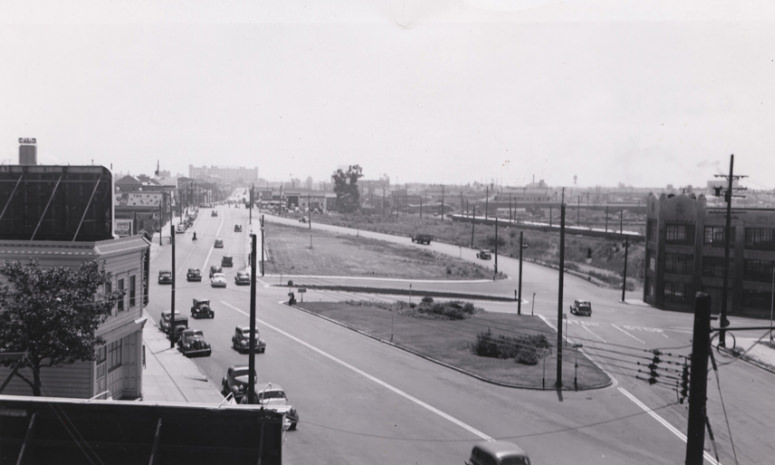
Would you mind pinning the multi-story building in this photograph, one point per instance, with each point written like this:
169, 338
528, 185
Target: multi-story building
685, 249
238, 175
63, 216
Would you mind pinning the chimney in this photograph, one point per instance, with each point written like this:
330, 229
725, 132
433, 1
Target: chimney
28, 151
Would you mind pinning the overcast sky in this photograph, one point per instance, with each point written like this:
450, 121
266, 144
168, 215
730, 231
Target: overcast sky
643, 93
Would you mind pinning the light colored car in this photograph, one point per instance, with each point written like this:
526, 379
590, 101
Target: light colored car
272, 397
484, 255
242, 277
497, 453
581, 307
218, 280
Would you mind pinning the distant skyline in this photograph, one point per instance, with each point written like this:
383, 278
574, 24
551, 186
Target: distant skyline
434, 91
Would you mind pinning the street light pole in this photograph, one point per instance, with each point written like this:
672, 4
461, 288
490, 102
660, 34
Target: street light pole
519, 303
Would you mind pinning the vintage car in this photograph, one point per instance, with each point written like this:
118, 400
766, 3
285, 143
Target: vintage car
193, 274
240, 341
179, 323
214, 213
202, 309
218, 280
227, 261
192, 343
484, 254
165, 277
421, 238
215, 269
218, 244
180, 229
237, 228
272, 397
242, 278
303, 219
581, 307
236, 382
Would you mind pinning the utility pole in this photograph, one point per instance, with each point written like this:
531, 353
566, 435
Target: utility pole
473, 222
606, 217
496, 247
519, 302
252, 344
695, 433
558, 384
486, 203
442, 202
262, 245
309, 214
728, 194
624, 280
172, 293
250, 211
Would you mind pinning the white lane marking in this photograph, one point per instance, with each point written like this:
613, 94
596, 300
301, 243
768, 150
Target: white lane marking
592, 333
373, 378
625, 332
664, 422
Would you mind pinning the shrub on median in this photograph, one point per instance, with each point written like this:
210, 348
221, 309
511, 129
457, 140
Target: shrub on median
523, 349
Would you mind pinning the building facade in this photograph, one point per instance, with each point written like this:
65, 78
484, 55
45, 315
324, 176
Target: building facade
242, 175
685, 248
63, 216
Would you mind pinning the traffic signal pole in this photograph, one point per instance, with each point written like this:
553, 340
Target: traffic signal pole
252, 344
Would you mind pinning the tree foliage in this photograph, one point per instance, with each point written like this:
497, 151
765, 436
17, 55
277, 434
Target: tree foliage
346, 188
51, 314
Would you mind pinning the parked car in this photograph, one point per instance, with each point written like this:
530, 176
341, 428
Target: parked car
484, 254
192, 343
421, 238
215, 269
193, 274
237, 228
218, 244
272, 397
218, 280
242, 277
177, 325
165, 277
202, 309
180, 229
227, 261
581, 307
240, 341
497, 453
303, 219
236, 382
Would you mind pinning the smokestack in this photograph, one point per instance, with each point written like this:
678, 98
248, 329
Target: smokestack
28, 151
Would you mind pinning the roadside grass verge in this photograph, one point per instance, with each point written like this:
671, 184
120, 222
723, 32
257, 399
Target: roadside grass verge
451, 342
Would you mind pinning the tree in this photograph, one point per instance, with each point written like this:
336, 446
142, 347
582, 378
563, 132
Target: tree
346, 188
52, 314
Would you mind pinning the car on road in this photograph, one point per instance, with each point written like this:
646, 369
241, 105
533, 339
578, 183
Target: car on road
202, 309
581, 307
227, 261
214, 213
497, 453
177, 324
303, 219
237, 228
215, 269
484, 254
193, 274
240, 341
242, 278
272, 397
180, 229
218, 280
422, 238
236, 382
218, 244
192, 343
165, 277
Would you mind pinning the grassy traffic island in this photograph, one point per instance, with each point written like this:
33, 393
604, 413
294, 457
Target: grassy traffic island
504, 349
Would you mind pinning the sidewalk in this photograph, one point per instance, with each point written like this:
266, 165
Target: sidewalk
170, 376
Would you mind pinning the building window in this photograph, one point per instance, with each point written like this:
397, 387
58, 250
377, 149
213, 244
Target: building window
753, 298
121, 292
679, 263
714, 236
679, 234
760, 238
758, 270
713, 267
132, 291
675, 292
114, 355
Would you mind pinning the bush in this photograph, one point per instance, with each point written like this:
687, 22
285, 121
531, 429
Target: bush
523, 349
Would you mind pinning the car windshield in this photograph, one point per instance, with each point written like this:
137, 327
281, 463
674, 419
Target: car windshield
266, 395
218, 276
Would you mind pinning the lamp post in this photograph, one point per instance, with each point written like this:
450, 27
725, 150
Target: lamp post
772, 302
533, 304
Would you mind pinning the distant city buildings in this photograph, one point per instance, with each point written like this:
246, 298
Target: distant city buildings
243, 176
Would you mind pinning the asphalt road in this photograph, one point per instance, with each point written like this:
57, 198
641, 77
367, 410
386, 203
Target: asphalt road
364, 402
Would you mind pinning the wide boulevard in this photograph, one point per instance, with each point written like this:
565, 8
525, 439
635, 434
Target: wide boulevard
365, 402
